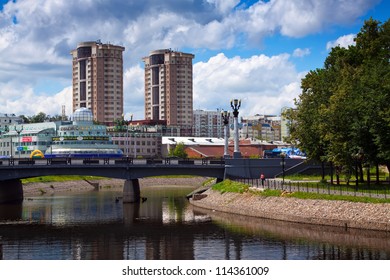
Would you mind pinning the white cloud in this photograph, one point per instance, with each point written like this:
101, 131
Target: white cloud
224, 6
133, 86
37, 36
23, 101
301, 52
264, 84
343, 41
302, 17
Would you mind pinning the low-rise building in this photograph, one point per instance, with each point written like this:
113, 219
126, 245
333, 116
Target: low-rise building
76, 138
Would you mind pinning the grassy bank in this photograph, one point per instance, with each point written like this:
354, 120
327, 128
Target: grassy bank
62, 178
237, 187
65, 178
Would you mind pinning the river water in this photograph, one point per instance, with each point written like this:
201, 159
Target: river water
95, 225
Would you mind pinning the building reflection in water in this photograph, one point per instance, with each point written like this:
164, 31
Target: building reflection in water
95, 226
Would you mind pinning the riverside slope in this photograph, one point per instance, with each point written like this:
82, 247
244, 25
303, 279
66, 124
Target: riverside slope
321, 212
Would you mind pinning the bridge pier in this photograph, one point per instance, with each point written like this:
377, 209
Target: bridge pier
11, 191
131, 191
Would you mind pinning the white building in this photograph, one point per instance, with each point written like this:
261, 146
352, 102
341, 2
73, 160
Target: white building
7, 120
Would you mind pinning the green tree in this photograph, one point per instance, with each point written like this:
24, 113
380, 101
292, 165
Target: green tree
40, 117
342, 114
178, 151
307, 121
24, 118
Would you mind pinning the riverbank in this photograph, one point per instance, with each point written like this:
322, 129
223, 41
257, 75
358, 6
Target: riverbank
318, 212
49, 188
309, 211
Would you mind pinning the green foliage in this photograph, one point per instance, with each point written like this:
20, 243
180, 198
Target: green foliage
268, 192
208, 182
120, 125
178, 151
304, 195
230, 186
62, 178
236, 187
39, 118
343, 112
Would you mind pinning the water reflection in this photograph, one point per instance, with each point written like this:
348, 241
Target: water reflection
95, 225
301, 241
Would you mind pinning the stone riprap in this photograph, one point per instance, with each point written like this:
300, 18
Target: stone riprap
321, 212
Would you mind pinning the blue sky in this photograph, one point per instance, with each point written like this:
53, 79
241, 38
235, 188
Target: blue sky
257, 51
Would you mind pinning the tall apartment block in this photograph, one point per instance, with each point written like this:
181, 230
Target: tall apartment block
208, 124
98, 80
168, 88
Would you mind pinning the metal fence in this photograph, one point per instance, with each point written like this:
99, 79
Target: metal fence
382, 191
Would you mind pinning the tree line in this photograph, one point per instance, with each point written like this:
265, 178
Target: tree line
41, 117
342, 115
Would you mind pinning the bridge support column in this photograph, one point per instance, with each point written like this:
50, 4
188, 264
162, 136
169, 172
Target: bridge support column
11, 191
131, 191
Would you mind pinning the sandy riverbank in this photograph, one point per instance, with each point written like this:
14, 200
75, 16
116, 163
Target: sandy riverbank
321, 212
48, 188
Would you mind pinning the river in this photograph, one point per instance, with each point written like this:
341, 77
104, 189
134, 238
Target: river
97, 225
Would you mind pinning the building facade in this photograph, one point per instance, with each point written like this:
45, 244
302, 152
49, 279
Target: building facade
7, 120
284, 125
169, 88
97, 75
77, 138
262, 127
208, 124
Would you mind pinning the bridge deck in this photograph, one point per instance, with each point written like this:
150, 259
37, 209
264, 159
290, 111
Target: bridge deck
128, 168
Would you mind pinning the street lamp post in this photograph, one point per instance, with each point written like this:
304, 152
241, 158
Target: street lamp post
127, 136
135, 145
235, 104
18, 131
225, 117
283, 163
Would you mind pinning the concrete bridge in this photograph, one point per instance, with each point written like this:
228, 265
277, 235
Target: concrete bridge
12, 170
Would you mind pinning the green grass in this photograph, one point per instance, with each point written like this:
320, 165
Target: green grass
208, 182
304, 195
174, 176
230, 186
237, 187
362, 187
62, 178
300, 177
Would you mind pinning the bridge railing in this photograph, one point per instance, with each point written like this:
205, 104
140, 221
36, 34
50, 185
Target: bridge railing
105, 161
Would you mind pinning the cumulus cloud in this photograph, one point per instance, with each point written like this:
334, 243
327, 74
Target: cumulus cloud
301, 52
223, 6
302, 17
133, 87
22, 100
37, 36
264, 84
343, 41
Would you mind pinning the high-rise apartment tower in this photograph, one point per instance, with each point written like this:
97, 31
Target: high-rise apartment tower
168, 87
98, 80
